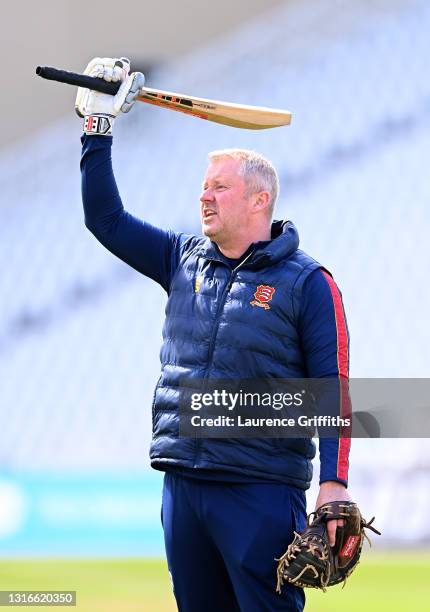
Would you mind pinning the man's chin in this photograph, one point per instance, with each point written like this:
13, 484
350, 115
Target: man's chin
208, 232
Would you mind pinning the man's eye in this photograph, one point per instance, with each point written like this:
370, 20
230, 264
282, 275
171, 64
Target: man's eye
221, 187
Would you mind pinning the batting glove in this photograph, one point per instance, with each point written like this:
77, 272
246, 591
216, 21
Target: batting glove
99, 110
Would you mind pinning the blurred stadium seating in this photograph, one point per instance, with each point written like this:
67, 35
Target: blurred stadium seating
80, 331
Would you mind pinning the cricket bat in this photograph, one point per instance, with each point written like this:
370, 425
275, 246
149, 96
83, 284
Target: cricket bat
227, 113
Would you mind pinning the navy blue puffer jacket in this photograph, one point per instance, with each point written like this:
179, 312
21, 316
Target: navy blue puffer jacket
213, 329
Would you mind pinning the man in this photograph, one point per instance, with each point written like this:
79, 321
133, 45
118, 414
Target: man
229, 505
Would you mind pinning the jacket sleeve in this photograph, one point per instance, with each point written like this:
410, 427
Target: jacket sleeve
148, 249
325, 342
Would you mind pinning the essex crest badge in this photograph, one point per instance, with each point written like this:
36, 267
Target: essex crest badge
263, 295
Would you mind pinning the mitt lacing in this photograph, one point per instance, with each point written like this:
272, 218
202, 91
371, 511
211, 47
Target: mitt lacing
290, 554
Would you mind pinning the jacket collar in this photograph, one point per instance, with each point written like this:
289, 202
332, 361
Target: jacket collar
284, 242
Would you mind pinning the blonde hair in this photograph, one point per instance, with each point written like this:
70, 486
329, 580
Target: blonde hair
257, 171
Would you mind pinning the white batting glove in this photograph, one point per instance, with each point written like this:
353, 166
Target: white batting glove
99, 110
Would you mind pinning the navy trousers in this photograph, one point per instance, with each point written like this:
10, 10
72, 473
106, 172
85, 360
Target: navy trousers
221, 540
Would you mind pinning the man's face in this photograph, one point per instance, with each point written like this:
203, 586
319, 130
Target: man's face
224, 205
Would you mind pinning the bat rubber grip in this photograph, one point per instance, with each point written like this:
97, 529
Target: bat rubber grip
81, 80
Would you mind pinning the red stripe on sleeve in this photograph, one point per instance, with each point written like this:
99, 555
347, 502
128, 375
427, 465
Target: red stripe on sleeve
343, 369
341, 329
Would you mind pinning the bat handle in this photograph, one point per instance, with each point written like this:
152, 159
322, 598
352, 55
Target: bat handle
81, 80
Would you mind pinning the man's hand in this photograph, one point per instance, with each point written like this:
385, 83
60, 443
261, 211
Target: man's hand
100, 109
332, 491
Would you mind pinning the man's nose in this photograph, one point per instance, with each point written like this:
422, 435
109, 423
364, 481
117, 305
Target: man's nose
207, 195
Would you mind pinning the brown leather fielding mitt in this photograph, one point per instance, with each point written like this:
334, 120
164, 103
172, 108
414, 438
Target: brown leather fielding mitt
309, 561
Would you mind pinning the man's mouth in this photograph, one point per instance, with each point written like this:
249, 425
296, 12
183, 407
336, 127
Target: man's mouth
208, 213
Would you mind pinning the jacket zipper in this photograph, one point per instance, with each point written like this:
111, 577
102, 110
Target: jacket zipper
214, 335
218, 311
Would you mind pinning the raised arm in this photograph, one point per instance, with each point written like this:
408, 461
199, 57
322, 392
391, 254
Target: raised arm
146, 248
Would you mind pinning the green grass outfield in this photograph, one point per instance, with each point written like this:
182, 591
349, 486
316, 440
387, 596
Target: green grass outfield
392, 582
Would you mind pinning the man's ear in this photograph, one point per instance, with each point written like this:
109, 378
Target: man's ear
261, 201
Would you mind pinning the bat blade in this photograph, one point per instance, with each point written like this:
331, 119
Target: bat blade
226, 113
